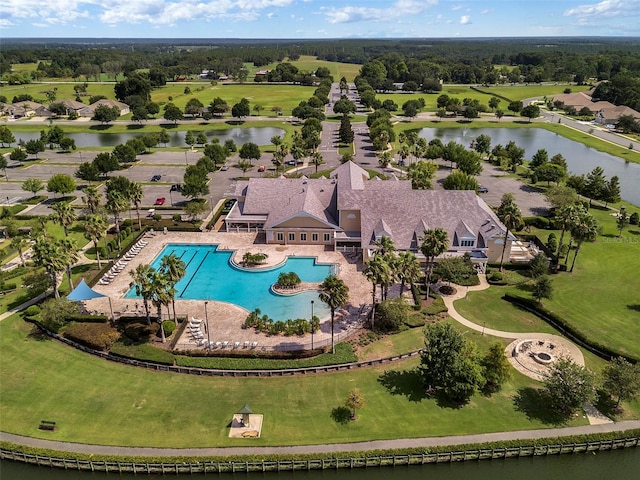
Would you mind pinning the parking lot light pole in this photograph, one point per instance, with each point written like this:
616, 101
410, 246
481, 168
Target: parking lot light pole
206, 319
185, 158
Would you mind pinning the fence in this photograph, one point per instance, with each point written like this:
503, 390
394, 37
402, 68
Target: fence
318, 464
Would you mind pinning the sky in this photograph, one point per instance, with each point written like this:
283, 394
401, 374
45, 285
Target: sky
274, 19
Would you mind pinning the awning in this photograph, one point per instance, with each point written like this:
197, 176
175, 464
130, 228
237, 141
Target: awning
83, 292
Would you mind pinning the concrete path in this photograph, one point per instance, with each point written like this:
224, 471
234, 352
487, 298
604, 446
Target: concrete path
323, 448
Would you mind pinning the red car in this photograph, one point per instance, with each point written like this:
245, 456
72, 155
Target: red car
160, 201
261, 168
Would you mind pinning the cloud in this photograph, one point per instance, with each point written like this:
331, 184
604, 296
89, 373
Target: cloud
154, 12
486, 11
400, 8
606, 8
456, 7
465, 20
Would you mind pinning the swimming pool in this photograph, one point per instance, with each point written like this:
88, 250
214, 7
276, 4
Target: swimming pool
211, 276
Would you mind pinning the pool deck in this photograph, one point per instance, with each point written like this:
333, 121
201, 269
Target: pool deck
225, 320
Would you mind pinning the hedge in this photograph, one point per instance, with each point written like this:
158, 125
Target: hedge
143, 352
98, 336
537, 221
88, 318
563, 326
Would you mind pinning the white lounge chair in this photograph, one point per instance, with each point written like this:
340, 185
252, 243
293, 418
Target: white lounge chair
224, 344
246, 344
254, 344
218, 344
236, 344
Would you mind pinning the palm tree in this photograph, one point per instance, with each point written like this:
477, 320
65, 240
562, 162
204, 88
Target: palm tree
317, 159
565, 217
21, 244
71, 257
116, 203
335, 294
142, 277
385, 246
586, 228
136, 194
376, 271
434, 242
408, 270
160, 286
174, 269
49, 255
95, 228
511, 217
64, 215
92, 199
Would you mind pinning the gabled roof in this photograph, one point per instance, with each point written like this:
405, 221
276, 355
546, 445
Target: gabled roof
462, 231
109, 103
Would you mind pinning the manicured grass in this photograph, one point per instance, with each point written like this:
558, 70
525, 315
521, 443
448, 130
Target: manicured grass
487, 308
64, 91
286, 97
310, 63
94, 401
520, 92
412, 339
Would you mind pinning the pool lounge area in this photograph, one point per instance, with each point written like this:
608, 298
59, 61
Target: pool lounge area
226, 319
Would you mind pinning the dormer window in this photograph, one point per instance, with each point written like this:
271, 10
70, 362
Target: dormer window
467, 243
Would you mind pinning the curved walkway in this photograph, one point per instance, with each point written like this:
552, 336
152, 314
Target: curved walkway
563, 345
322, 448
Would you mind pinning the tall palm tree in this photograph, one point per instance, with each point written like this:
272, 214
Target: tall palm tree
335, 294
376, 271
92, 199
511, 216
95, 228
142, 278
64, 215
408, 270
71, 256
21, 244
317, 159
565, 216
434, 242
385, 246
174, 269
116, 203
586, 228
52, 257
160, 296
136, 194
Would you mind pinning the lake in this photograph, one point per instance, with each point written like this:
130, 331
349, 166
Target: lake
580, 158
257, 135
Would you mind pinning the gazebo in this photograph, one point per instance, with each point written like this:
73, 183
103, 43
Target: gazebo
84, 292
245, 412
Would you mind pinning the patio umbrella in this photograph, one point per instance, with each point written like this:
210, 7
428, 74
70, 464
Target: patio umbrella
84, 292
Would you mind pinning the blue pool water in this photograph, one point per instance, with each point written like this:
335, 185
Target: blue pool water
211, 276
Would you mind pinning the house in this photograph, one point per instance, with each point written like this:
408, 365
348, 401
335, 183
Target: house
71, 105
350, 212
25, 108
123, 107
580, 100
610, 116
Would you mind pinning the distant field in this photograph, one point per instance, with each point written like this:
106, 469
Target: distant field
311, 64
513, 93
64, 91
286, 97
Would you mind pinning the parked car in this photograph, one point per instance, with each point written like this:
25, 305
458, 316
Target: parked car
261, 168
176, 187
160, 201
156, 178
224, 168
482, 189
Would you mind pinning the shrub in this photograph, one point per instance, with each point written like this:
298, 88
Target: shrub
140, 331
103, 252
98, 336
32, 311
144, 352
157, 217
5, 287
634, 219
496, 277
539, 222
168, 327
126, 223
177, 217
390, 315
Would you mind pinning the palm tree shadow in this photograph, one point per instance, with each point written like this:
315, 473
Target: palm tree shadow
404, 382
534, 403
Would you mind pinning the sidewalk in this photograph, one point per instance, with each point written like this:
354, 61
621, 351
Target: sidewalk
323, 448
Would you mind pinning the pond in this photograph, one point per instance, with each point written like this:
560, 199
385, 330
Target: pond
257, 135
580, 158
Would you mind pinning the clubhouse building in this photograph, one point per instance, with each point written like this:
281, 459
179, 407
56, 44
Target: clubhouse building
350, 212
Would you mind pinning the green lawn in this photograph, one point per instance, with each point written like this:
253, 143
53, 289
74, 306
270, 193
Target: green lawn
99, 402
520, 92
310, 63
64, 91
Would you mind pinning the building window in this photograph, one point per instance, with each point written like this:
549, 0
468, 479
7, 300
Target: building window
280, 236
466, 243
314, 237
292, 237
327, 237
303, 237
